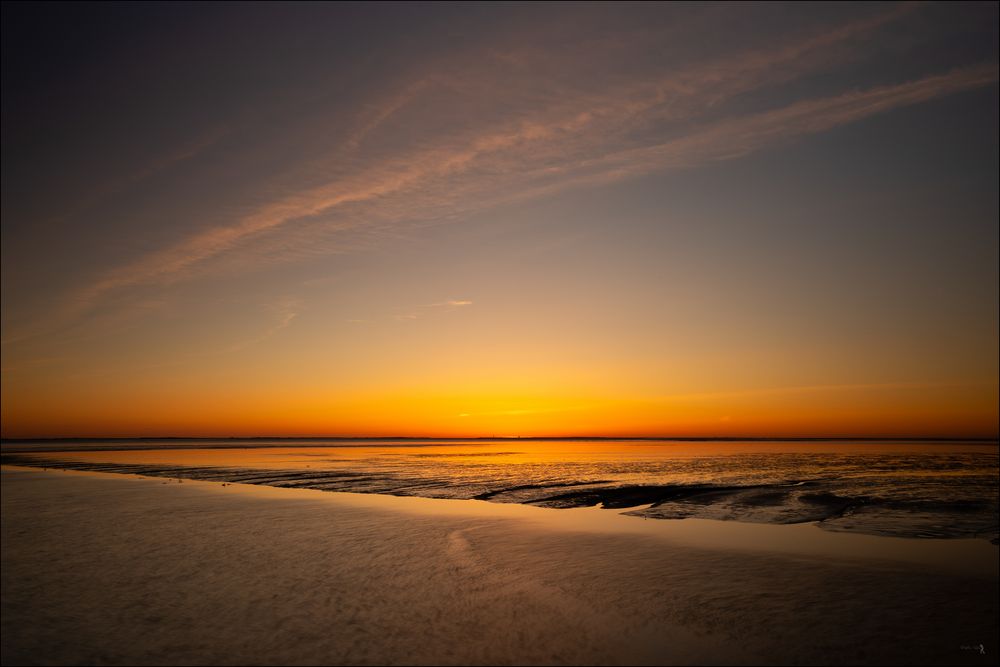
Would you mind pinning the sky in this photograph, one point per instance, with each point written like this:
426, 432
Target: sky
500, 219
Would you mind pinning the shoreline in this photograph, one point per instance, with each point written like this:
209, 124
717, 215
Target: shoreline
110, 569
831, 501
965, 556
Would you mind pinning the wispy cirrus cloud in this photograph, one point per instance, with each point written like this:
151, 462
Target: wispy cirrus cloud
450, 303
281, 313
157, 164
417, 312
553, 134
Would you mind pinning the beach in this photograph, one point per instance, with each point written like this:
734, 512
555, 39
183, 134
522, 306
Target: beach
925, 489
500, 333
119, 569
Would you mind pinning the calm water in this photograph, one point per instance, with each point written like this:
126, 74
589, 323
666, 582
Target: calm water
905, 488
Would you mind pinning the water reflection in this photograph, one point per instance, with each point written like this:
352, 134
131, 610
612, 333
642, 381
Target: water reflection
901, 488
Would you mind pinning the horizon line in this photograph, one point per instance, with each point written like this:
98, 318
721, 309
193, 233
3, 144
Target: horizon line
742, 438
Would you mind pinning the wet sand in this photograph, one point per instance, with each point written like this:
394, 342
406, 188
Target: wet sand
115, 569
925, 489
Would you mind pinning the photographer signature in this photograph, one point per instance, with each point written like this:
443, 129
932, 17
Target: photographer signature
977, 647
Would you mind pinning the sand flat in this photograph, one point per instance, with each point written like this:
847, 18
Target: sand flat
112, 569
925, 489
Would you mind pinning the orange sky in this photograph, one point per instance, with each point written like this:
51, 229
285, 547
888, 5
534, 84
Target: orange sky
662, 220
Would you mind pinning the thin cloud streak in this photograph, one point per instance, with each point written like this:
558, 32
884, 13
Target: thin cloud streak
739, 138
450, 304
543, 153
285, 311
723, 141
168, 160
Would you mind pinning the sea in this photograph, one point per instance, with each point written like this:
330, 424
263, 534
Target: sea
902, 488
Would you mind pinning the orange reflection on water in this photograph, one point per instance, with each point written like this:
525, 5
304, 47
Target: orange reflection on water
513, 451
